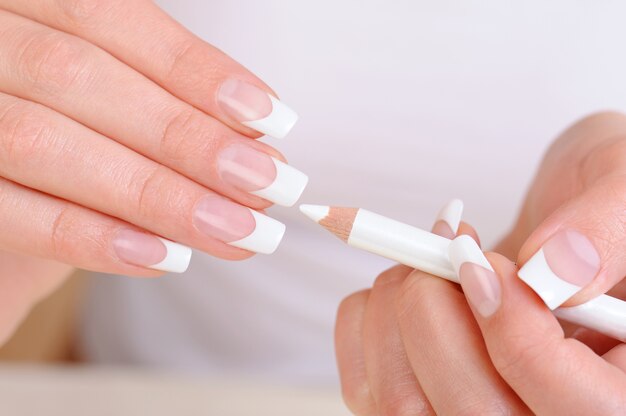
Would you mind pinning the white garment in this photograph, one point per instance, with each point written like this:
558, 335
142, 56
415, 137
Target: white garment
404, 105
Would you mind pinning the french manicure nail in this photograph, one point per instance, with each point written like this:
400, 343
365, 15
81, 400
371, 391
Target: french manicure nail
448, 219
145, 250
567, 262
478, 279
260, 174
255, 108
237, 225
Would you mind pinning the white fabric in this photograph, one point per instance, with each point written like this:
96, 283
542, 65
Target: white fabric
404, 105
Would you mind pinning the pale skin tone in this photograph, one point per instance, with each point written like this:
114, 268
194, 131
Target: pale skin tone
108, 121
414, 345
106, 125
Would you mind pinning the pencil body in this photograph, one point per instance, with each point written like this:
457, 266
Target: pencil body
403, 243
428, 252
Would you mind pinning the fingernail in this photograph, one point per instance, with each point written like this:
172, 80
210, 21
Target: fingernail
478, 279
448, 219
255, 108
237, 225
145, 250
567, 262
261, 174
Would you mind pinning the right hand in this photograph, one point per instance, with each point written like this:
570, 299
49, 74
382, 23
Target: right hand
117, 125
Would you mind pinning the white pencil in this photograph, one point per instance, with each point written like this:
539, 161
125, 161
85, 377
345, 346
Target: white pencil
429, 252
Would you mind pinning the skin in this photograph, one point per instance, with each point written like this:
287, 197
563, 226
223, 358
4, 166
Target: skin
108, 121
417, 347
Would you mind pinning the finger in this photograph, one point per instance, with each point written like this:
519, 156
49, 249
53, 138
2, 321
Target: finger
88, 85
392, 382
578, 252
443, 344
350, 357
48, 152
597, 342
446, 350
551, 374
142, 35
617, 356
466, 229
43, 226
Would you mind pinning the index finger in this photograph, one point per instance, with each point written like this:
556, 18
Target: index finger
143, 36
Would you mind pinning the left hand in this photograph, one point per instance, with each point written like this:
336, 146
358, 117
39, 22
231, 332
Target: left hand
416, 344
412, 345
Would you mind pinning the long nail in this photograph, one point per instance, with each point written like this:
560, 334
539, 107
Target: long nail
448, 219
478, 279
567, 262
255, 108
237, 225
145, 250
260, 174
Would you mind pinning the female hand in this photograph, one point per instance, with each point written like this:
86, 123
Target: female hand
412, 345
122, 133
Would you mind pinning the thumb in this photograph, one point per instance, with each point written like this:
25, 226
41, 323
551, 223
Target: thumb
579, 252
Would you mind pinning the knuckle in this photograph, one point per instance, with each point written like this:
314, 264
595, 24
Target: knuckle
61, 232
75, 235
608, 158
415, 298
600, 118
405, 405
351, 303
492, 407
24, 136
179, 139
516, 355
53, 62
148, 183
358, 397
394, 275
156, 194
81, 12
187, 55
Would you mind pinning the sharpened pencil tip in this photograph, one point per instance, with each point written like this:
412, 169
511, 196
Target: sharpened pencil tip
315, 212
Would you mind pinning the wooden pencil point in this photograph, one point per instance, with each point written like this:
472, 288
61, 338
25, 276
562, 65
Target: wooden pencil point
339, 221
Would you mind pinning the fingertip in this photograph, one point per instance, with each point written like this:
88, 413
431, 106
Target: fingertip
501, 264
466, 229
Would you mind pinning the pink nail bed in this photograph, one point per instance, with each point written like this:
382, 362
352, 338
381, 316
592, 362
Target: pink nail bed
139, 248
443, 229
260, 174
255, 108
567, 262
572, 257
243, 101
222, 219
482, 288
237, 225
246, 168
146, 250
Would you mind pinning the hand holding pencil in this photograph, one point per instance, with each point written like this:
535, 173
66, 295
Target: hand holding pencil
411, 344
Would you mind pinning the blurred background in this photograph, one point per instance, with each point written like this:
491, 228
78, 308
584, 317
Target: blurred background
404, 105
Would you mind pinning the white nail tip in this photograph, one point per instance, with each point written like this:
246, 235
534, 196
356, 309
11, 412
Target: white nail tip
315, 212
287, 186
464, 249
537, 274
451, 214
278, 123
177, 259
266, 237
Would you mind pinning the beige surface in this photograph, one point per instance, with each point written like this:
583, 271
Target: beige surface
51, 391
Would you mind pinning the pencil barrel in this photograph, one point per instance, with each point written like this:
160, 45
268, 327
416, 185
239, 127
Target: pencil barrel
403, 243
